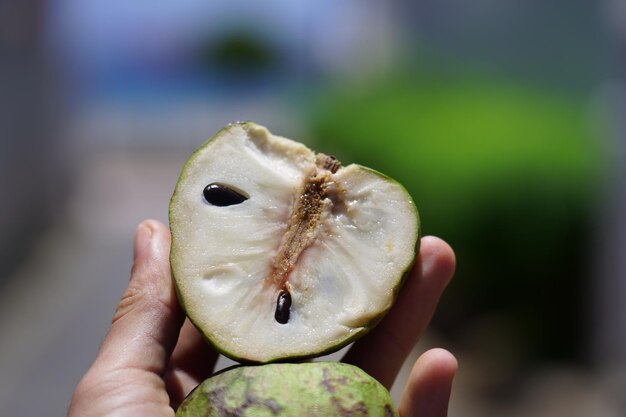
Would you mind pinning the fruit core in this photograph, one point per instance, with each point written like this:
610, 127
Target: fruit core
301, 229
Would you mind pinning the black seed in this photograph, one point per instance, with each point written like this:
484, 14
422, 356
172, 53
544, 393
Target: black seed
283, 304
222, 195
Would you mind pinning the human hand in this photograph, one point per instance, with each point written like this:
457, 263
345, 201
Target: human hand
152, 357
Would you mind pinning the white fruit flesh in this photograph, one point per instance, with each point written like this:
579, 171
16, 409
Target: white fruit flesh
227, 260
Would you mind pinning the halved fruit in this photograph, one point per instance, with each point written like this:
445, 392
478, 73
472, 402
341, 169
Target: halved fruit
281, 253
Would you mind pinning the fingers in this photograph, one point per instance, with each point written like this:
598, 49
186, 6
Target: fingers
382, 352
192, 361
148, 319
427, 393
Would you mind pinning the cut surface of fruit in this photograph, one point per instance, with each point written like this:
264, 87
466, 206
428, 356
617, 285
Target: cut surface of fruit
279, 252
326, 389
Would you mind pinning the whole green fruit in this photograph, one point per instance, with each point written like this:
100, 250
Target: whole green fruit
315, 389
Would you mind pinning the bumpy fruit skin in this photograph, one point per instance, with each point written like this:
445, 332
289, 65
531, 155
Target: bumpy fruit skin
316, 389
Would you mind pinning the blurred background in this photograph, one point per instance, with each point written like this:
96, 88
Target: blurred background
504, 119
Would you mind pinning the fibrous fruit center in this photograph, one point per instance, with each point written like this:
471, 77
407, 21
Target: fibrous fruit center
302, 229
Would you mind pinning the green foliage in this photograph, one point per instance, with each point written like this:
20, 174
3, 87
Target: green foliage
506, 174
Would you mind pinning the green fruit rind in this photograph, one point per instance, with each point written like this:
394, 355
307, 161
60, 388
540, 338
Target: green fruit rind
315, 389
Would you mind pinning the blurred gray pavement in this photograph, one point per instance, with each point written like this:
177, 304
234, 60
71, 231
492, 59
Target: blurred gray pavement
57, 307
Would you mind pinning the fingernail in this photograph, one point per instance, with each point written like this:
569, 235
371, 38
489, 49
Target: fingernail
143, 236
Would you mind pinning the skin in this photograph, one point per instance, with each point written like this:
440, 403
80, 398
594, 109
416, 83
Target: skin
152, 357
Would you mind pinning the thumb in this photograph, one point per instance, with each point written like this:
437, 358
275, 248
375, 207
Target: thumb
147, 319
126, 377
